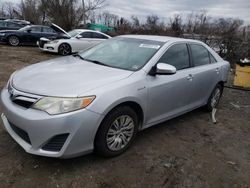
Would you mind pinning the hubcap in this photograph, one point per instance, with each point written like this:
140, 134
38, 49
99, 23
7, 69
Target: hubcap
14, 41
65, 49
120, 133
215, 98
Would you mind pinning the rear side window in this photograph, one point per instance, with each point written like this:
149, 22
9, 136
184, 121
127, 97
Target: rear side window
86, 34
99, 36
200, 55
36, 29
177, 56
48, 30
10, 24
212, 59
2, 24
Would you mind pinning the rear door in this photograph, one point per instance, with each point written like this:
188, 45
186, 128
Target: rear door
48, 32
206, 73
169, 95
83, 41
98, 38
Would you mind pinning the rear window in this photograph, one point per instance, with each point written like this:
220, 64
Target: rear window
200, 55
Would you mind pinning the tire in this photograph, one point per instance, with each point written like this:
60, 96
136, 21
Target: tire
13, 40
64, 49
214, 98
116, 132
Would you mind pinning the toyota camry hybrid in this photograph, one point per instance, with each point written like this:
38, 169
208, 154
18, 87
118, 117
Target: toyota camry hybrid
98, 100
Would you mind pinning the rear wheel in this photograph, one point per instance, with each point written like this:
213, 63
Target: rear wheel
13, 40
116, 132
214, 98
64, 49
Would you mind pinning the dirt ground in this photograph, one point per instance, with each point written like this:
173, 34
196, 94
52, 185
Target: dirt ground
189, 151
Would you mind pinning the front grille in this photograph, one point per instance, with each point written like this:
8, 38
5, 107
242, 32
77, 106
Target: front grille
41, 43
21, 98
23, 134
56, 143
25, 104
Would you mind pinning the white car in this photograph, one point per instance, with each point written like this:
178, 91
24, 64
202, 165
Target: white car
79, 39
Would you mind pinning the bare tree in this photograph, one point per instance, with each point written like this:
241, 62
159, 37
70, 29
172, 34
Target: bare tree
29, 11
176, 25
89, 6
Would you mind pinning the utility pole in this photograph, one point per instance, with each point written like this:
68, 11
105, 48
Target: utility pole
84, 12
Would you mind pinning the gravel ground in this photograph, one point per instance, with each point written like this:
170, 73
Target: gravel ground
189, 151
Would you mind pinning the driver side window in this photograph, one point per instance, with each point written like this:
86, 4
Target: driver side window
177, 55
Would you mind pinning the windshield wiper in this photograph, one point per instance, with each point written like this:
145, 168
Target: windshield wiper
93, 61
77, 55
96, 62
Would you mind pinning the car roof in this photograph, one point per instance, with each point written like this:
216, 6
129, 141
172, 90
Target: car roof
88, 30
160, 38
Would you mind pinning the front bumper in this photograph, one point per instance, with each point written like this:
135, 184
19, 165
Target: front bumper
48, 47
80, 126
3, 39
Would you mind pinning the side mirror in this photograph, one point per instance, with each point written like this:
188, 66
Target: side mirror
163, 69
78, 36
29, 30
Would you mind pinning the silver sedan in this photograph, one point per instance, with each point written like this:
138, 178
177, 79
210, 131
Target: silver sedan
99, 99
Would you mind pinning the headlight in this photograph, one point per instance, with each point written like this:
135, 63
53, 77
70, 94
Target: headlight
53, 42
53, 105
2, 34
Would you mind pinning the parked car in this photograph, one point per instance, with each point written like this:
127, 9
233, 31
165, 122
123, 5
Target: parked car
100, 98
10, 25
80, 39
24, 22
29, 35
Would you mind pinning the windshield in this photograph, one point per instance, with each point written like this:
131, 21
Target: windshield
24, 28
73, 33
124, 53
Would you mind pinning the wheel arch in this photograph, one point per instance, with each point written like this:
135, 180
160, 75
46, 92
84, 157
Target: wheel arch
132, 104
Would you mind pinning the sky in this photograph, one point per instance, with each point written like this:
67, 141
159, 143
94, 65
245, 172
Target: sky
166, 8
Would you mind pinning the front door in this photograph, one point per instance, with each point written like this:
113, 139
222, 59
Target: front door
169, 95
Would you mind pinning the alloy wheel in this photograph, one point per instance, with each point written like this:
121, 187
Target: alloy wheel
14, 41
215, 97
64, 49
120, 133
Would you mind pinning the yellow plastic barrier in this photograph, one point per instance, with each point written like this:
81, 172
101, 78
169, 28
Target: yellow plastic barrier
242, 76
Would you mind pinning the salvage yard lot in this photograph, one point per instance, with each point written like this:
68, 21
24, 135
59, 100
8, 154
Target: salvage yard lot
189, 151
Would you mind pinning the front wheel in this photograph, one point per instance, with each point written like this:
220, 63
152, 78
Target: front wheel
116, 132
214, 98
64, 49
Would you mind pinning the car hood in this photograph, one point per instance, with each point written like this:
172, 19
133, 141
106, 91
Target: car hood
66, 77
59, 29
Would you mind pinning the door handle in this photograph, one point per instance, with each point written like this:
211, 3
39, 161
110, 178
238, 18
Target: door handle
190, 77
